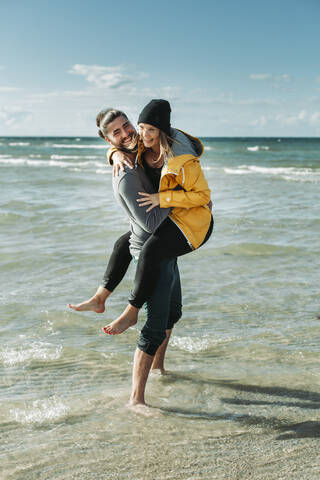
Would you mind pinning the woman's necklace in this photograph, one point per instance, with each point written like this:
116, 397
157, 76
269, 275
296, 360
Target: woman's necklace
154, 158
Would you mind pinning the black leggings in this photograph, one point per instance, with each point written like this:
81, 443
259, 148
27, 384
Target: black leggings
118, 263
166, 242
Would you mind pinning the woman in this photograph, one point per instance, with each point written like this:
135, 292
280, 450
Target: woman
183, 188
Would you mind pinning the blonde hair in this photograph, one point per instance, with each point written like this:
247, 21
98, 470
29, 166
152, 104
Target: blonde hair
165, 146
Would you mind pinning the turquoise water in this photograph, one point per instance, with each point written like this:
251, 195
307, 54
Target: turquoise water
242, 398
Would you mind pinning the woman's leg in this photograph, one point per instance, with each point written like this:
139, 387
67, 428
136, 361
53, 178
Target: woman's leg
116, 269
166, 242
118, 263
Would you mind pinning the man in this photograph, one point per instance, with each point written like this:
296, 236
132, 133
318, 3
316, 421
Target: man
164, 306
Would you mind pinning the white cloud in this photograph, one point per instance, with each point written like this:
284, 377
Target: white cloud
14, 117
259, 122
285, 77
104, 77
299, 118
260, 76
168, 92
9, 89
315, 118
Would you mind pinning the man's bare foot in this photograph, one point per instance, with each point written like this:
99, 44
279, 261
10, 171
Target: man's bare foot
158, 371
95, 303
143, 409
127, 319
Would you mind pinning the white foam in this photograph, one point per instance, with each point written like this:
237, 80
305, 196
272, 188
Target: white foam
189, 344
287, 173
256, 148
49, 163
236, 171
40, 411
19, 144
62, 145
26, 353
71, 157
282, 170
209, 168
208, 148
12, 161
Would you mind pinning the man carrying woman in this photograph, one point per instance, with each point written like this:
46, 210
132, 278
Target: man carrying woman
166, 198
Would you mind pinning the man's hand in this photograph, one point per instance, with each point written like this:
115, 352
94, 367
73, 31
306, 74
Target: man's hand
152, 199
120, 159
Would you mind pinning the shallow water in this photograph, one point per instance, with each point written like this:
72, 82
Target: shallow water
242, 397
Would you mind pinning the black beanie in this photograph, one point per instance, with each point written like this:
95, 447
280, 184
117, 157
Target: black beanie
157, 113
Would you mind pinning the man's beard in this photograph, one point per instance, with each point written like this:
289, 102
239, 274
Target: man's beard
133, 145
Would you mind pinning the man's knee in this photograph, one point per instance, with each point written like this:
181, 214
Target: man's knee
172, 321
150, 340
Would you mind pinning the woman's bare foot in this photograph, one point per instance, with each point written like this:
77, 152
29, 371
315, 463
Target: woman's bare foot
127, 319
95, 303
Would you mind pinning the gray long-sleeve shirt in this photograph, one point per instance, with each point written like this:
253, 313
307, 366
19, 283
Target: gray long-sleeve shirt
126, 187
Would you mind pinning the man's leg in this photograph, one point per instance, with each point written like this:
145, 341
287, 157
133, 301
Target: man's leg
117, 266
153, 333
158, 360
141, 368
174, 315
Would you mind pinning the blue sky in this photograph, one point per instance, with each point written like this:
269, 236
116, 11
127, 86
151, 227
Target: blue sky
228, 68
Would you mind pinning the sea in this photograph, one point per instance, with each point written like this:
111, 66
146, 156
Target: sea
242, 394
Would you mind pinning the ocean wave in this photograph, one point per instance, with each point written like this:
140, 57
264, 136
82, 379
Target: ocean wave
19, 144
256, 148
36, 351
258, 249
40, 411
190, 344
287, 173
50, 163
72, 157
209, 168
62, 145
208, 148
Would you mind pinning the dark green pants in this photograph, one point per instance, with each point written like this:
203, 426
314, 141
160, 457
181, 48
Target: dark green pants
163, 307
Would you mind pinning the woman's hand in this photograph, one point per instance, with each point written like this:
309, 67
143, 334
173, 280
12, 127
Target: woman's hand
152, 199
120, 159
